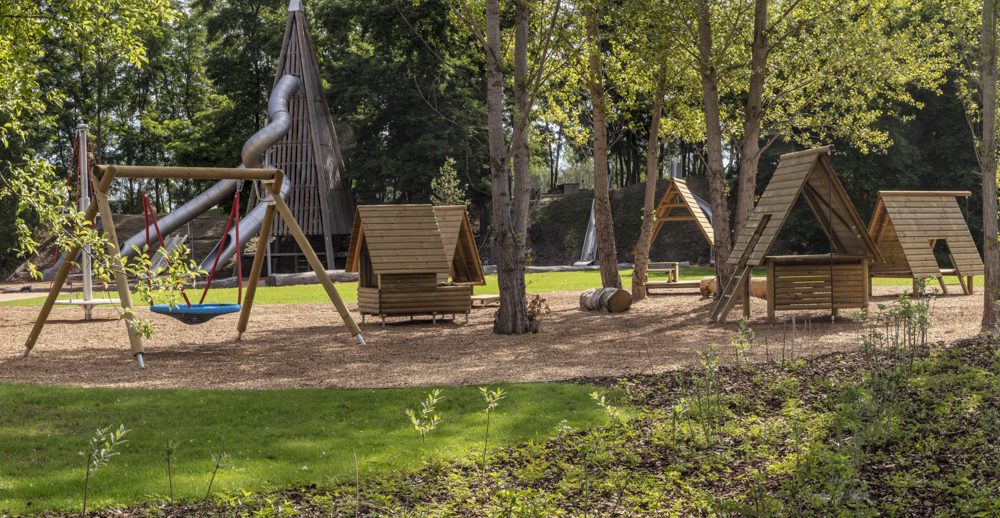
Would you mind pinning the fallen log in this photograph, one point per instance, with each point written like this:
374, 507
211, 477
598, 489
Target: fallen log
295, 279
612, 300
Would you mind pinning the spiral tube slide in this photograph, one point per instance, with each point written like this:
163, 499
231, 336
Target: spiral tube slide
279, 122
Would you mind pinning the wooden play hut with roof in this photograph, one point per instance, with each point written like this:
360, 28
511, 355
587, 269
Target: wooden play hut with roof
908, 225
832, 281
403, 264
678, 204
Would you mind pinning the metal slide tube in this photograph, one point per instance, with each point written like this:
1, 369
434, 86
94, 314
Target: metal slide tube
253, 151
280, 121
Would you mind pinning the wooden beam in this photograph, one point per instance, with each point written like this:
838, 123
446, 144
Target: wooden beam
263, 238
185, 173
317, 266
121, 280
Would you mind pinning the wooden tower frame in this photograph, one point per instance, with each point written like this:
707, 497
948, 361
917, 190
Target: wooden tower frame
906, 225
309, 153
271, 179
826, 281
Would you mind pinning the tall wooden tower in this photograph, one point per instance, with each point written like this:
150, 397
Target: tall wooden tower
309, 155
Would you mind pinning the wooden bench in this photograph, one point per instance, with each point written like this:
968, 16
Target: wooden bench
673, 272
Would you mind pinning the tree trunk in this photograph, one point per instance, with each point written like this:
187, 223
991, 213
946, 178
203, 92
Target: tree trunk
754, 113
649, 202
606, 252
713, 146
522, 118
512, 317
988, 163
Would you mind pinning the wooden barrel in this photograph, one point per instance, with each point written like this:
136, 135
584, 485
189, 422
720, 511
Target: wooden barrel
612, 300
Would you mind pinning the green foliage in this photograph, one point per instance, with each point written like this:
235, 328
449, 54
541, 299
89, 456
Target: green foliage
104, 445
446, 188
426, 419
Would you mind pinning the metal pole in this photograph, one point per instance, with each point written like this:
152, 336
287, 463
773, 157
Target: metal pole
85, 266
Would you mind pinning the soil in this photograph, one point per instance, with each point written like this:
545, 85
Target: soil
306, 345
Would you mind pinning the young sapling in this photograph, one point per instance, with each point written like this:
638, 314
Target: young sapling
103, 446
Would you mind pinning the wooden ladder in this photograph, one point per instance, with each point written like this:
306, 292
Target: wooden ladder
727, 296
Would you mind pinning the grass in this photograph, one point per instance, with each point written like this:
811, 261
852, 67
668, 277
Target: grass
546, 282
275, 438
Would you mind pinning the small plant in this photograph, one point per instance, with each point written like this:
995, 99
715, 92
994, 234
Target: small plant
171, 449
426, 419
538, 307
103, 446
493, 398
743, 341
218, 462
602, 401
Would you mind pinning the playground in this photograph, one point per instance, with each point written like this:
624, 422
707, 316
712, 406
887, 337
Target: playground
502, 258
291, 345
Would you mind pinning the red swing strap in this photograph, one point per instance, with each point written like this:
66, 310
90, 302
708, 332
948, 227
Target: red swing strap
234, 216
149, 214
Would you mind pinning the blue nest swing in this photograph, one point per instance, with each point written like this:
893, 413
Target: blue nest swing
195, 313
200, 313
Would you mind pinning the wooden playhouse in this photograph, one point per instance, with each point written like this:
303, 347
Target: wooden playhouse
678, 204
403, 265
908, 225
832, 281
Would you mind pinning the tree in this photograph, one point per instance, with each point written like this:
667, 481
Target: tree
988, 165
648, 73
607, 254
974, 49
446, 189
509, 213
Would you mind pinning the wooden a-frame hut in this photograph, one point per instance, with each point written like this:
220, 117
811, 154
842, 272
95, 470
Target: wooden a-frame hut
907, 225
309, 155
678, 204
459, 246
806, 282
399, 255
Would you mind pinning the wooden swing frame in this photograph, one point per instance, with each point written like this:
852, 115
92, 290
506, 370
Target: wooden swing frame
271, 179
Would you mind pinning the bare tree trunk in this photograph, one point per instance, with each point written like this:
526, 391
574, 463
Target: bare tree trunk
988, 163
522, 119
754, 113
713, 147
512, 317
606, 252
649, 203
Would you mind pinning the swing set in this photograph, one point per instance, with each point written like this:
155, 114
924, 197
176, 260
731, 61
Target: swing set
189, 313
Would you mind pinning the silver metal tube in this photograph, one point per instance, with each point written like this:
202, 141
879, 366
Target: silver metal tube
253, 152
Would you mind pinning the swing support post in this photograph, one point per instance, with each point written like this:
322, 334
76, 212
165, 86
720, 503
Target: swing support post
272, 178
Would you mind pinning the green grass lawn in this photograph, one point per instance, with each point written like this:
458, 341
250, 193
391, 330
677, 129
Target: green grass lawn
275, 437
536, 283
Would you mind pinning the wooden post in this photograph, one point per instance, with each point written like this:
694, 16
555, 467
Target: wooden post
121, 280
57, 283
944, 287
258, 262
317, 265
746, 295
865, 269
969, 282
771, 292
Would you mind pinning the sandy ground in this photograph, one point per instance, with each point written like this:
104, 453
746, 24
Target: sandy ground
306, 346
